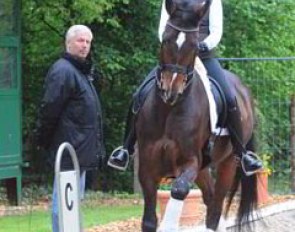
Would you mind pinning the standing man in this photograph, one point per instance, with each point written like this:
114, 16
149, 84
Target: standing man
70, 110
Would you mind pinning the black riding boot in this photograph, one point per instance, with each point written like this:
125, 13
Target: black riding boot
119, 158
249, 160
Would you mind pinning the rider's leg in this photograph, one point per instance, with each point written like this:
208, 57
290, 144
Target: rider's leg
249, 162
119, 158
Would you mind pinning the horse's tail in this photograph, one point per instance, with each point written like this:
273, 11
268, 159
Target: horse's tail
248, 194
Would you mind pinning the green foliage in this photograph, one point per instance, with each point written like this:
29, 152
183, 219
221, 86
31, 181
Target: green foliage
258, 29
7, 22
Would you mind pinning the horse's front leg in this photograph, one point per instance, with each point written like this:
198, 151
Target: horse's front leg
179, 191
149, 189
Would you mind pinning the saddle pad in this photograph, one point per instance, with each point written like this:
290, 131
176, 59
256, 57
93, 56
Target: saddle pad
201, 70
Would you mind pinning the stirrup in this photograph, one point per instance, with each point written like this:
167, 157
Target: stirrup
249, 173
118, 167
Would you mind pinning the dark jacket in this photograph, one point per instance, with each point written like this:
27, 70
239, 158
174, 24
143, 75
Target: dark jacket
70, 111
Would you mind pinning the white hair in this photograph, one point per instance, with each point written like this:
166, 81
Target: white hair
76, 29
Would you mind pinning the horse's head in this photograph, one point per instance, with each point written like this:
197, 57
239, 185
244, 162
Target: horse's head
177, 63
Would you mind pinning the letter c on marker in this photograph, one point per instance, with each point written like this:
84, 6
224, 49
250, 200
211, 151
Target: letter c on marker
68, 204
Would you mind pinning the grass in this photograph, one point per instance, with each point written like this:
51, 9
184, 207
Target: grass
105, 214
37, 221
94, 213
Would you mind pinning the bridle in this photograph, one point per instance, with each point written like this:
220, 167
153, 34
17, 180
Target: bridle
176, 68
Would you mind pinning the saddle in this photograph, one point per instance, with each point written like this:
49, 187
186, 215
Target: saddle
143, 90
220, 101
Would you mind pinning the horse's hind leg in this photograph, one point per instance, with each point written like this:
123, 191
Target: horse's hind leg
224, 178
206, 184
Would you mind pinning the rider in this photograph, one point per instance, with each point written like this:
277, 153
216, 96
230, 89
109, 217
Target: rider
210, 33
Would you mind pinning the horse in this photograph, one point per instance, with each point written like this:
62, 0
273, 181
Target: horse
173, 130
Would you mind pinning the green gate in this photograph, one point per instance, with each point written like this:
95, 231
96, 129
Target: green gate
10, 98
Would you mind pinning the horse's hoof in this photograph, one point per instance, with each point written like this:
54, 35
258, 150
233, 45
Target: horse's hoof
203, 228
221, 225
167, 229
161, 230
208, 230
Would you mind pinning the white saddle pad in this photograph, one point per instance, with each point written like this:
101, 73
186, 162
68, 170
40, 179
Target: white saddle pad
200, 68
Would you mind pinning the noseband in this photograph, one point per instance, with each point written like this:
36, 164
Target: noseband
175, 68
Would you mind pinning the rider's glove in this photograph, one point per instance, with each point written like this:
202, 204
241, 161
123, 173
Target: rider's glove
202, 47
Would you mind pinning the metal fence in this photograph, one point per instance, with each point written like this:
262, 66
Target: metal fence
272, 83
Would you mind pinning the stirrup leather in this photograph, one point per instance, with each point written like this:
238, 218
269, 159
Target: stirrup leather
249, 173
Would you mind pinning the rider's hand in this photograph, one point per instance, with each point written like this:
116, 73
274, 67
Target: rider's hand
202, 47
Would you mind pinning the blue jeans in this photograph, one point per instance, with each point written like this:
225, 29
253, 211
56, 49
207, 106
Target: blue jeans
55, 223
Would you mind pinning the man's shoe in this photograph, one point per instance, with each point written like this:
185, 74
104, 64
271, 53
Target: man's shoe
251, 163
119, 159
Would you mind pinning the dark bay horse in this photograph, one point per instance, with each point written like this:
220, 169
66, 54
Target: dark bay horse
173, 128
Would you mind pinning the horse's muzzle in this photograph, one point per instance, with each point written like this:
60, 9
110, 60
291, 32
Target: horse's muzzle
170, 97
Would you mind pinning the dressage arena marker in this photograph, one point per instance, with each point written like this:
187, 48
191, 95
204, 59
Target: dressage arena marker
68, 192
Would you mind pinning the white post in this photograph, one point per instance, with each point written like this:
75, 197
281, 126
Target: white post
170, 222
68, 192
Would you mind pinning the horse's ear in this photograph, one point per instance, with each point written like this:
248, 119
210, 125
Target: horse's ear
202, 8
207, 5
169, 6
205, 8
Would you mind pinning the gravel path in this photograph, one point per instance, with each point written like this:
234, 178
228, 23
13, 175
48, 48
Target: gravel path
281, 222
276, 218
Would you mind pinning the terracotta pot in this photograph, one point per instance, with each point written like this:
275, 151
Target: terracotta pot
189, 214
262, 187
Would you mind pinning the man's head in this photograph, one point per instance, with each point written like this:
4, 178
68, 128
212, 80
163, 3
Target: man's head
78, 41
